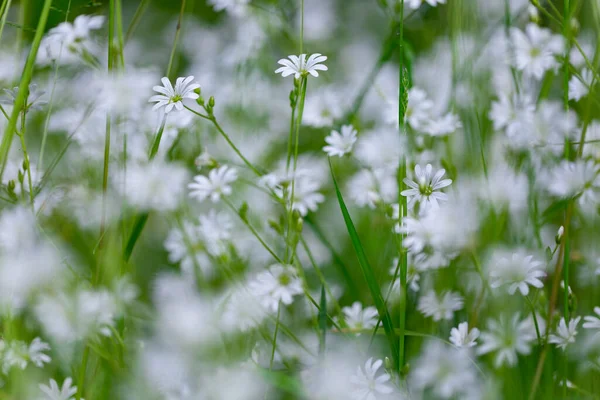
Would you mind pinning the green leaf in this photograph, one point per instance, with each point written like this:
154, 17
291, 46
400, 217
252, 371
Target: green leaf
548, 254
322, 320
368, 272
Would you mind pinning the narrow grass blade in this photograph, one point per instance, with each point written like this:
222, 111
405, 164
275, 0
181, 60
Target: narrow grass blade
322, 321
140, 222
368, 272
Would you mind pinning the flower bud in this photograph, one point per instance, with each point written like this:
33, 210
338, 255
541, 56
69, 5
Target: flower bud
11, 185
243, 211
534, 14
198, 91
25, 164
211, 101
200, 101
20, 176
559, 234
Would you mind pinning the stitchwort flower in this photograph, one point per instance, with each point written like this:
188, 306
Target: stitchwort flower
172, 97
300, 66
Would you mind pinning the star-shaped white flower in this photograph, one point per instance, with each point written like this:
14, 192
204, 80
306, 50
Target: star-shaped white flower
426, 188
300, 66
172, 97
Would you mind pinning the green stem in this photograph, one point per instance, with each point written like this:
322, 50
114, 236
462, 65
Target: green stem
23, 15
402, 199
253, 230
121, 41
82, 371
26, 157
4, 13
535, 321
136, 19
23, 87
176, 40
227, 139
275, 337
289, 252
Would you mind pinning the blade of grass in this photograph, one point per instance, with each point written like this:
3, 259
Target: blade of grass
322, 321
23, 87
367, 271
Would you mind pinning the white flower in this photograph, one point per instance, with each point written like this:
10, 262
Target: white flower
358, 318
414, 4
448, 372
579, 88
514, 114
36, 352
32, 102
443, 125
53, 392
15, 355
340, 144
367, 385
516, 271
507, 338
217, 184
69, 42
565, 334
279, 284
306, 196
579, 178
426, 188
215, 228
155, 186
242, 311
592, 322
170, 97
370, 188
300, 66
462, 337
535, 50
419, 108
234, 7
432, 306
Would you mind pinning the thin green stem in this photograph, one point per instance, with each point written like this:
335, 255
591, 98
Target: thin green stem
535, 321
402, 199
176, 39
121, 40
302, 26
23, 15
253, 230
227, 139
275, 337
136, 19
4, 13
23, 87
26, 157
82, 371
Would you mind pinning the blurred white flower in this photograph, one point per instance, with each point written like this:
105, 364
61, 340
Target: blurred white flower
170, 96
443, 125
36, 352
515, 114
370, 188
565, 334
414, 4
448, 372
358, 318
234, 7
214, 186
154, 186
324, 106
15, 355
306, 195
535, 50
300, 66
591, 321
381, 148
579, 178
69, 43
32, 102
579, 88
53, 392
340, 144
440, 308
418, 110
426, 189
278, 284
367, 385
517, 271
508, 338
242, 310
462, 337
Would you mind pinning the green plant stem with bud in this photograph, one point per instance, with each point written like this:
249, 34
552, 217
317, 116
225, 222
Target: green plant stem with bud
402, 199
